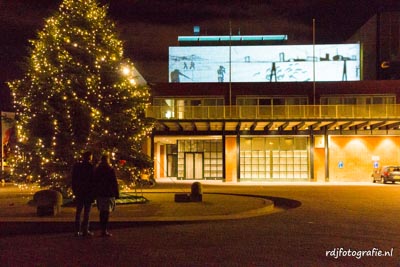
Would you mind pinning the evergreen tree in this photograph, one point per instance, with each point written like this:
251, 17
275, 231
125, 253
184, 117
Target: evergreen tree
79, 93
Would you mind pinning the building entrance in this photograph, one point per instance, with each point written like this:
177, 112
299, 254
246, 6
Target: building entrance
194, 165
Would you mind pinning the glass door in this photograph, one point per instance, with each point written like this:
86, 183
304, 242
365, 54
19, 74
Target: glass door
172, 167
193, 165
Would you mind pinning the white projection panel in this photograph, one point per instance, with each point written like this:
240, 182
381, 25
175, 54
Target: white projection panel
280, 63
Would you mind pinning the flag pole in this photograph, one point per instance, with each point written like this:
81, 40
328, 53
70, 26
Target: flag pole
313, 30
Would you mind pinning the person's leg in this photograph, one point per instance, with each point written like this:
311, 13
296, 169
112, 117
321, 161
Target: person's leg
86, 213
102, 222
104, 216
79, 207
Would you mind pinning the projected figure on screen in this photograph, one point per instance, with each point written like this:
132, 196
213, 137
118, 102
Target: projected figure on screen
175, 76
273, 72
344, 75
185, 66
221, 73
192, 65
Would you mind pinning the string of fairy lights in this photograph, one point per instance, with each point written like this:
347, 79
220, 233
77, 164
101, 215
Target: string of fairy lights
78, 92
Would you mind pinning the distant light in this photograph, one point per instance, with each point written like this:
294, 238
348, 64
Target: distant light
196, 30
385, 65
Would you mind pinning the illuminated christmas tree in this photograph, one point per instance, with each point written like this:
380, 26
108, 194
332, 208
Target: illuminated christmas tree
79, 93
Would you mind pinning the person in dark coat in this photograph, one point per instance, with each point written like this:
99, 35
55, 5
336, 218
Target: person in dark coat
106, 192
83, 189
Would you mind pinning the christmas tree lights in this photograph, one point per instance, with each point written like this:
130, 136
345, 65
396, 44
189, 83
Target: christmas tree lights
78, 94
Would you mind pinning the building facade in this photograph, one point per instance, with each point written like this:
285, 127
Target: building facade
269, 132
321, 128
380, 40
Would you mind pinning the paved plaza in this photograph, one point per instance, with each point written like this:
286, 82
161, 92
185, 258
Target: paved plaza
309, 225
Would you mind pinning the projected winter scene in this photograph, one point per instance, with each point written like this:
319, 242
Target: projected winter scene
296, 63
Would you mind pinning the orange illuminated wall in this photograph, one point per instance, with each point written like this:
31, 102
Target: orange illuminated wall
162, 161
156, 165
319, 164
230, 159
159, 161
351, 158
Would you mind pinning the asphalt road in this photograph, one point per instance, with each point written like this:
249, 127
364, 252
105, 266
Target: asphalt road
335, 225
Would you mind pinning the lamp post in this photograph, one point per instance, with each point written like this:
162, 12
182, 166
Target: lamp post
1, 143
313, 30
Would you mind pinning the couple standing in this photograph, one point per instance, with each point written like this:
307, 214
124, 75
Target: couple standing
88, 184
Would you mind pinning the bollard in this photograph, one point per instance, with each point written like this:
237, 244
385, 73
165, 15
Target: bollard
197, 192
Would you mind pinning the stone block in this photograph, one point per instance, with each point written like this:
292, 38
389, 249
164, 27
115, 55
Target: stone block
48, 202
182, 198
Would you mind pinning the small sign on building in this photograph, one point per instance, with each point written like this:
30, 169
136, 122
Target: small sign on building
340, 164
375, 158
376, 164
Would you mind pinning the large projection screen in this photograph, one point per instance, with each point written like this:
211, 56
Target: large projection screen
281, 63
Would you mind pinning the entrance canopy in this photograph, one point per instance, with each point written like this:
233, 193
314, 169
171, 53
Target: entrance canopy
285, 119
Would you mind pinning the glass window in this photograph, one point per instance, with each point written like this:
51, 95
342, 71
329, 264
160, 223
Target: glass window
198, 155
245, 144
258, 144
300, 144
195, 103
334, 101
273, 158
246, 101
391, 100
207, 146
219, 146
209, 102
377, 100
200, 145
296, 101
172, 149
349, 101
358, 99
272, 143
287, 144
265, 102
188, 102
279, 101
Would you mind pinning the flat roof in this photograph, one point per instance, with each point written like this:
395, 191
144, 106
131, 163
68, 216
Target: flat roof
225, 38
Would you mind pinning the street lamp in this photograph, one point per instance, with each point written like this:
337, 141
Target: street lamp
126, 70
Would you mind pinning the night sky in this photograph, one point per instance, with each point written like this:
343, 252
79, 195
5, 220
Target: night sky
148, 27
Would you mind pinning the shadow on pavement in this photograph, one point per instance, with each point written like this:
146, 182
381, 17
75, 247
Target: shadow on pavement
279, 202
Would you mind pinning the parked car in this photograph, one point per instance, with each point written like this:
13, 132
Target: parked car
387, 174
